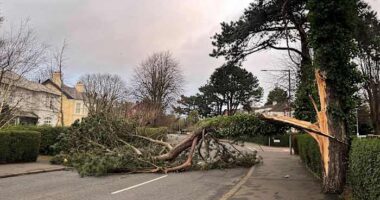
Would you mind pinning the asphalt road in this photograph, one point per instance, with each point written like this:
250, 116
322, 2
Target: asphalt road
199, 185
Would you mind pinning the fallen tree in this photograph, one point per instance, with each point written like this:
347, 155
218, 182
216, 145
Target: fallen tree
102, 144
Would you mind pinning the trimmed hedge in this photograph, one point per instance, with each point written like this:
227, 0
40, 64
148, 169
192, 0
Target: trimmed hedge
19, 146
49, 136
155, 133
308, 151
364, 169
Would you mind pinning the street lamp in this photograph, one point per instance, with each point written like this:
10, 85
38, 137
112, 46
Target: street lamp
357, 122
289, 98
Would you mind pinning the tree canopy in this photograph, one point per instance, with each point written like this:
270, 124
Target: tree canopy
264, 25
229, 86
333, 25
278, 95
236, 86
273, 24
198, 102
158, 80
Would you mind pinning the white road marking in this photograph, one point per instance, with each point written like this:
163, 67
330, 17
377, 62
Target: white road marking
138, 185
252, 149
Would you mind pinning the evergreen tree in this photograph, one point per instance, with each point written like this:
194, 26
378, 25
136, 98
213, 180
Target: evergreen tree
277, 95
333, 23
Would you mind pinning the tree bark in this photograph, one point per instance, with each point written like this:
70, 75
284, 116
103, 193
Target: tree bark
373, 91
179, 148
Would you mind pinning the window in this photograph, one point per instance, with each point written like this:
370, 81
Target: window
49, 101
47, 121
78, 108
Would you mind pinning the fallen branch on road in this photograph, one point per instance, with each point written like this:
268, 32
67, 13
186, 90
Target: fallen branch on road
112, 148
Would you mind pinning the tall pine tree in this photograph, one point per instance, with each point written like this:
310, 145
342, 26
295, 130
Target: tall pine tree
331, 35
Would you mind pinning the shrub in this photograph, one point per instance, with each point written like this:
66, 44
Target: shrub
309, 153
19, 146
155, 133
364, 169
49, 137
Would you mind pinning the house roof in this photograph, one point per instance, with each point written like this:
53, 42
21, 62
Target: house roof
280, 107
69, 92
21, 82
27, 114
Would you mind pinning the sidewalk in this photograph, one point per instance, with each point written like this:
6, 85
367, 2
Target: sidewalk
17, 169
281, 176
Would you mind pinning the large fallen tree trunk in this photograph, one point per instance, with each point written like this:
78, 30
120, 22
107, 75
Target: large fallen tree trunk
329, 134
183, 145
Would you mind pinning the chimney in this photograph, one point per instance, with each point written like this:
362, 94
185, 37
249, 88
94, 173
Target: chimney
57, 78
79, 87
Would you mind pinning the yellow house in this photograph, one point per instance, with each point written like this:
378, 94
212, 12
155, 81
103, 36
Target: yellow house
72, 100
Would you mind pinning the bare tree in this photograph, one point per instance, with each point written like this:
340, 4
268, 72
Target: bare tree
368, 59
20, 54
103, 92
44, 72
370, 70
158, 80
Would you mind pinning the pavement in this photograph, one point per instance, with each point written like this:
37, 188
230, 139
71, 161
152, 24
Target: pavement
199, 185
280, 177
17, 169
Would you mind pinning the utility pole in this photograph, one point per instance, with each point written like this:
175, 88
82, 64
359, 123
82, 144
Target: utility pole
289, 98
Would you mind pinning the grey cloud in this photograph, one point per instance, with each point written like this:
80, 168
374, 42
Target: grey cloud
115, 35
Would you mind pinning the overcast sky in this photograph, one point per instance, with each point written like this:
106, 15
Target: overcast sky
114, 36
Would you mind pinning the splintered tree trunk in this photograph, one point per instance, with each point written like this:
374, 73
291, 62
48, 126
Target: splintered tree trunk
330, 135
334, 151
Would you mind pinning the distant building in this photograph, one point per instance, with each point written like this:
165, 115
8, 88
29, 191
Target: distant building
73, 99
33, 103
279, 109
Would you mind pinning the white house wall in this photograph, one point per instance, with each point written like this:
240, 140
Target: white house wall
38, 103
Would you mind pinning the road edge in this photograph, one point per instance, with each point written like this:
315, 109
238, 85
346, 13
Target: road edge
236, 188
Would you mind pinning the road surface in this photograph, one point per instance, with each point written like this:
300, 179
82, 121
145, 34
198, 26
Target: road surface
200, 185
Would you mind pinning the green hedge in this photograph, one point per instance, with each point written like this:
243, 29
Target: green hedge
308, 151
243, 126
19, 146
155, 133
49, 136
364, 169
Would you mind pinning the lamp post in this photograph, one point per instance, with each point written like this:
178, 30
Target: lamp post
357, 122
289, 98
